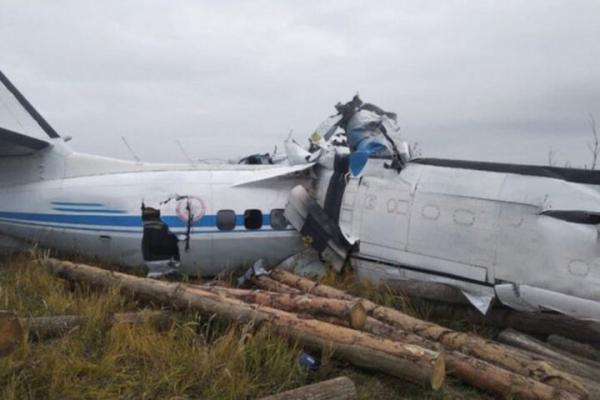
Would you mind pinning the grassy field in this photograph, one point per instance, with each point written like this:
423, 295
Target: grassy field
197, 357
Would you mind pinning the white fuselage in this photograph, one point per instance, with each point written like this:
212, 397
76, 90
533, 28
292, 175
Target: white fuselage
478, 230
527, 235
92, 209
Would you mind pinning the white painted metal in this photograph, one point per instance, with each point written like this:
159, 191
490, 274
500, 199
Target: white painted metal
481, 231
113, 232
471, 227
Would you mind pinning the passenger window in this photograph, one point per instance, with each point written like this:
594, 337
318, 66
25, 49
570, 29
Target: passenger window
278, 220
253, 219
226, 220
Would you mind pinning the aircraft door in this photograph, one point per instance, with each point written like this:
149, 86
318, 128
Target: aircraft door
385, 217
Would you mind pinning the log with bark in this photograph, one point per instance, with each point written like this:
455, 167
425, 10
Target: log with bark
580, 349
352, 311
264, 282
535, 323
539, 323
521, 340
413, 363
477, 373
11, 333
39, 328
494, 353
341, 388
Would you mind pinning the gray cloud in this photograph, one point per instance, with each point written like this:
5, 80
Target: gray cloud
486, 80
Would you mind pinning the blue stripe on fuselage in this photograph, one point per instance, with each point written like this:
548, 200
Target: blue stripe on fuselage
139, 230
70, 203
88, 210
117, 220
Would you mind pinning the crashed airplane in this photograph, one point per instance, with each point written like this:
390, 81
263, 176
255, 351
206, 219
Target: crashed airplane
525, 235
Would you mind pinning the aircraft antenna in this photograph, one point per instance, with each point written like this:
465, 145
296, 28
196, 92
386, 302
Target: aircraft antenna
135, 157
184, 152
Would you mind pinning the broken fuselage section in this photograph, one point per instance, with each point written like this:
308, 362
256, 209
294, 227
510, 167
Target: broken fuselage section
526, 235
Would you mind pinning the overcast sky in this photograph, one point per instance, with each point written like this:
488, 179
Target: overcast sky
484, 80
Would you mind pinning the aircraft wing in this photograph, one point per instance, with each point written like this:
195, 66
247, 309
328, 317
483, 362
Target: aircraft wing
275, 172
17, 144
23, 130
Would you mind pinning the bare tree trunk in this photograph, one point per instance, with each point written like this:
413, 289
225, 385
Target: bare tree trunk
582, 350
40, 328
352, 311
341, 388
545, 323
535, 323
503, 383
495, 353
410, 362
518, 339
266, 283
477, 373
308, 286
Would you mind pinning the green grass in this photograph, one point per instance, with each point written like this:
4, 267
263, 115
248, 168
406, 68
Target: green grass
196, 357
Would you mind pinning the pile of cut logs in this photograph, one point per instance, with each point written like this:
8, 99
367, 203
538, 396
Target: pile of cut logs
372, 336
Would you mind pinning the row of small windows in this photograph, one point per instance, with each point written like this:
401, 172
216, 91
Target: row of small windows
253, 219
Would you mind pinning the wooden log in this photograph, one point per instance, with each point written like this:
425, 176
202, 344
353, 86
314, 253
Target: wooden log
308, 286
494, 353
341, 388
583, 350
539, 323
12, 333
521, 340
352, 311
410, 362
534, 323
266, 283
477, 373
40, 328
504, 383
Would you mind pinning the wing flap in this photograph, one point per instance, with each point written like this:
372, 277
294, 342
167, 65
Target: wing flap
16, 144
23, 131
